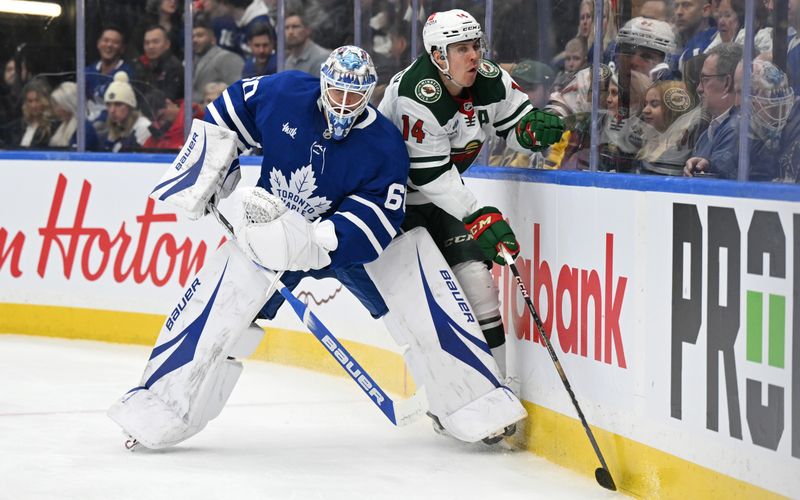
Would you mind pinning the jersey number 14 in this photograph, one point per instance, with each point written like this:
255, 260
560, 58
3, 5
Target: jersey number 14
415, 131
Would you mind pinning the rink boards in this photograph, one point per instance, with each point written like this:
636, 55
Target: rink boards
673, 306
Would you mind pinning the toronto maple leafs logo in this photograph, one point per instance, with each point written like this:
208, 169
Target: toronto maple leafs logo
298, 192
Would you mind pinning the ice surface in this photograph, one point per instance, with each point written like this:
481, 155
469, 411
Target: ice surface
286, 433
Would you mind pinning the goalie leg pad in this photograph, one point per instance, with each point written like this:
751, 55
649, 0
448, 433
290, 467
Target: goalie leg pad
248, 342
189, 376
481, 417
430, 315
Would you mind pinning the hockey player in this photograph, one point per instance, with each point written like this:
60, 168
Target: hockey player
330, 198
446, 104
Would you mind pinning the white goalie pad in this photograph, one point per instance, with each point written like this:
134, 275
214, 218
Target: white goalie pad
445, 349
205, 162
189, 375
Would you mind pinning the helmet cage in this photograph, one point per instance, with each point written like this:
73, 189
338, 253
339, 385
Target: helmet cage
350, 70
770, 114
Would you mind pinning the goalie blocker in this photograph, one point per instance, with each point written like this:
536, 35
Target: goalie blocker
444, 346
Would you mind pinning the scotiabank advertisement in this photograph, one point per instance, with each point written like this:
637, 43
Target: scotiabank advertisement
676, 316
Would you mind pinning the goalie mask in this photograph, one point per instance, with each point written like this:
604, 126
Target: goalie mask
445, 28
347, 79
772, 99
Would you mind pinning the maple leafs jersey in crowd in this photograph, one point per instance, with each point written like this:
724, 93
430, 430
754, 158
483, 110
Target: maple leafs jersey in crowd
358, 183
442, 131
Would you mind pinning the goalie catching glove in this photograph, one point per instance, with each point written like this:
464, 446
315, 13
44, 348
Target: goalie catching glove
490, 230
281, 239
539, 129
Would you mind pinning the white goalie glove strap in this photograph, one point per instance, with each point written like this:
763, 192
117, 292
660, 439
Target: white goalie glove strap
281, 239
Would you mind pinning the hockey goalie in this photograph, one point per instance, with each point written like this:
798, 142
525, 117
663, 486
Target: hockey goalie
339, 219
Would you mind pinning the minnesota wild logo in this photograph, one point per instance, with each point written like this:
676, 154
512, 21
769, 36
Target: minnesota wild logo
298, 193
488, 69
428, 90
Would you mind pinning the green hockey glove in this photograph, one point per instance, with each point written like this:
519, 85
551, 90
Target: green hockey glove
490, 231
539, 129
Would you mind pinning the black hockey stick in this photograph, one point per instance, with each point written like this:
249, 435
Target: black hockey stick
602, 474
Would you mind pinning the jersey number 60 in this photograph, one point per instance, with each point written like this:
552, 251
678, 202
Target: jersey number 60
396, 197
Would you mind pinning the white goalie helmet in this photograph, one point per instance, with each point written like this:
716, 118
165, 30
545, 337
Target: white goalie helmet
347, 80
451, 26
648, 33
772, 98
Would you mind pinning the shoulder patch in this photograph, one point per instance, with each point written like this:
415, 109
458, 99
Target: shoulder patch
428, 90
488, 68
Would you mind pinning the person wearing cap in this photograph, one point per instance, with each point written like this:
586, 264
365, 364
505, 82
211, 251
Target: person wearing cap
535, 78
127, 128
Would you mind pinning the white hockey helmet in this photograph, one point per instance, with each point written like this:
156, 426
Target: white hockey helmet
451, 26
350, 70
648, 33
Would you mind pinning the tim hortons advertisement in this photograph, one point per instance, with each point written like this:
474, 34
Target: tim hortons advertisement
85, 234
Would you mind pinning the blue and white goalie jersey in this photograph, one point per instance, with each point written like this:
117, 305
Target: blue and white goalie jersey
358, 183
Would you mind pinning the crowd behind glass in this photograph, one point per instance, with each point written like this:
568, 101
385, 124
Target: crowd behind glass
661, 88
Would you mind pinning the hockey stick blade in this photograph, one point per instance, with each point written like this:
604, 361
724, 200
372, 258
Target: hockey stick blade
400, 413
601, 474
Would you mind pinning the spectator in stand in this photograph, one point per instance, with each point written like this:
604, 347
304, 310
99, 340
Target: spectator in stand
232, 19
15, 77
396, 58
793, 55
575, 58
158, 69
213, 90
665, 118
609, 29
127, 129
655, 9
586, 20
36, 125
535, 79
586, 33
65, 107
263, 60
301, 52
772, 100
645, 45
716, 151
99, 75
9, 99
789, 156
169, 15
694, 29
211, 62
167, 127
729, 17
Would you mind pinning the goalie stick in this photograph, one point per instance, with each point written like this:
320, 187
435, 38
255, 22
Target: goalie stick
401, 412
601, 474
